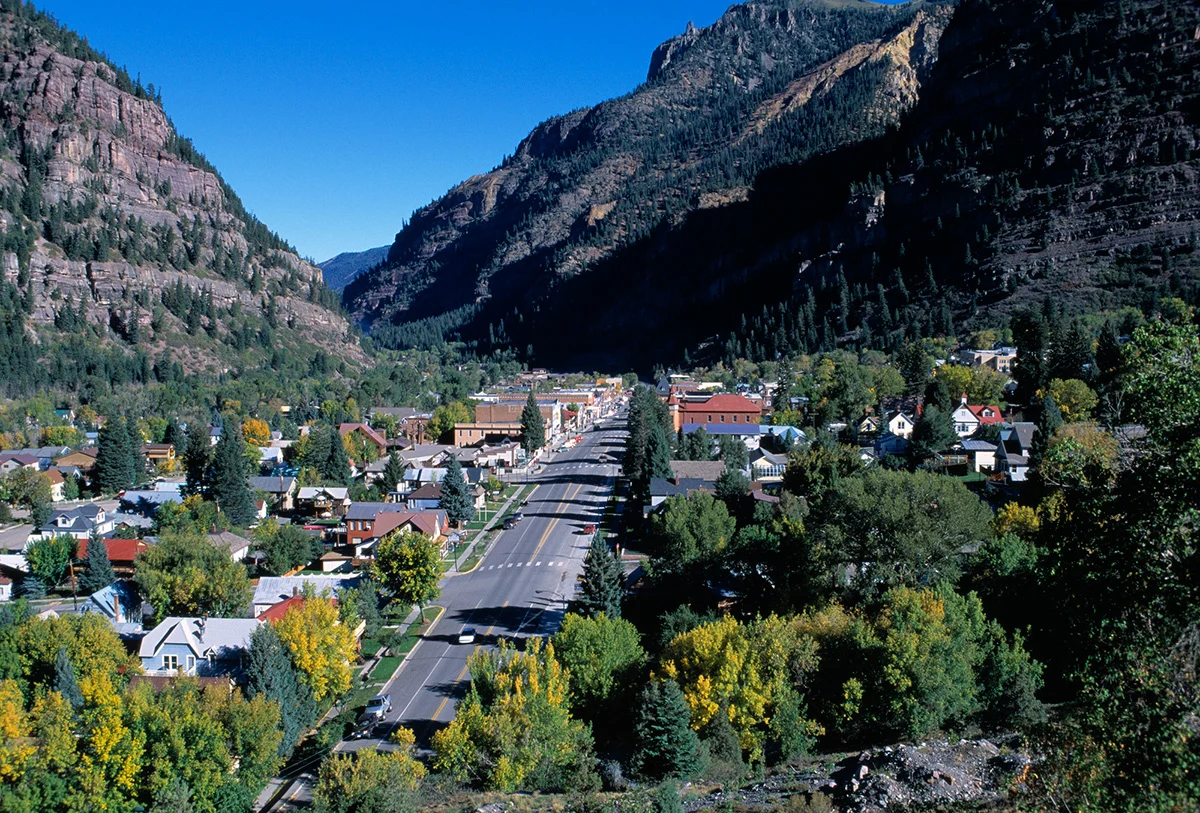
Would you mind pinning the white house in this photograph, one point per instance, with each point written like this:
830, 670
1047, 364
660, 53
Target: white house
901, 425
969, 417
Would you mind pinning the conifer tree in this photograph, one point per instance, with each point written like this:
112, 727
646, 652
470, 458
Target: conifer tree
112, 471
64, 679
658, 454
456, 494
229, 485
337, 465
133, 451
270, 672
533, 431
603, 582
393, 473
197, 458
98, 572
666, 744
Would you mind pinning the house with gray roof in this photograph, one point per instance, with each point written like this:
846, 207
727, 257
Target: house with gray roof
273, 589
79, 522
280, 490
1014, 451
197, 646
120, 604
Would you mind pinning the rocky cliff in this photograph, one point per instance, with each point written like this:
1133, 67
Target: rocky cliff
340, 270
805, 176
117, 230
715, 111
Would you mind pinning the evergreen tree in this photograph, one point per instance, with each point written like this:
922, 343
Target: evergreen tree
533, 431
781, 399
270, 672
456, 494
111, 471
937, 394
97, 570
174, 797
933, 433
64, 679
337, 465
133, 451
915, 366
1031, 335
1048, 423
603, 581
657, 462
197, 458
175, 436
229, 485
393, 473
666, 745
734, 452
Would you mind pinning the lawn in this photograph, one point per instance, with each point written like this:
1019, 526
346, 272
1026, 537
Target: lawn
386, 668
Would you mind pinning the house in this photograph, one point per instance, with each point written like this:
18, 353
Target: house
78, 523
214, 435
270, 458
6, 588
273, 589
1014, 451
507, 408
722, 409
367, 523
503, 455
45, 454
999, 359
84, 459
238, 546
323, 502
58, 485
334, 562
708, 470
767, 467
11, 461
889, 444
197, 646
469, 434
981, 455
280, 490
275, 614
370, 435
427, 497
146, 502
121, 552
120, 604
661, 489
901, 424
968, 418
869, 425
159, 454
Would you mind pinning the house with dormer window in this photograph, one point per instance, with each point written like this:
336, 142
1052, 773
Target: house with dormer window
197, 646
968, 418
78, 523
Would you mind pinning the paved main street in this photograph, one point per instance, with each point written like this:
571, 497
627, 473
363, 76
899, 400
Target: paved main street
519, 589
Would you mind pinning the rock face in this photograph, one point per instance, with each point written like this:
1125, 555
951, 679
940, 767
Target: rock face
583, 186
115, 208
802, 176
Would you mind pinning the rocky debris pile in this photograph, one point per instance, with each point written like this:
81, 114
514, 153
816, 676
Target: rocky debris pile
891, 778
928, 774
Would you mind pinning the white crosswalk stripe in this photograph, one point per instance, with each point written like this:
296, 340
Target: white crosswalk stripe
539, 564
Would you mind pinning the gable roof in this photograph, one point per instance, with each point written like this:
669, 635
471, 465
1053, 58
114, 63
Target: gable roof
278, 611
662, 487
273, 485
18, 457
430, 523
429, 491
223, 638
707, 470
273, 589
230, 541
372, 435
333, 492
979, 410
118, 550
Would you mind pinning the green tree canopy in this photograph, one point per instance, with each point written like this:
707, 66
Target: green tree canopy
230, 488
457, 501
533, 430
185, 574
410, 565
602, 584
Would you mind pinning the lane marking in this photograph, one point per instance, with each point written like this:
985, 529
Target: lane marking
446, 699
561, 506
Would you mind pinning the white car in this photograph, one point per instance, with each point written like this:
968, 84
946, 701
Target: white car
467, 636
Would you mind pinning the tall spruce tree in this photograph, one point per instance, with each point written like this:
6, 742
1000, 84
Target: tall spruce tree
112, 471
197, 458
666, 745
97, 572
658, 454
393, 473
64, 679
133, 452
337, 465
456, 494
230, 487
271, 673
533, 431
603, 582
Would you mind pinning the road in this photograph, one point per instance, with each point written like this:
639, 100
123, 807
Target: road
519, 589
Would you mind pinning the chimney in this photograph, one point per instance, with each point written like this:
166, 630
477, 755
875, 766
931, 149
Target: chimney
295, 592
200, 628
964, 399
116, 607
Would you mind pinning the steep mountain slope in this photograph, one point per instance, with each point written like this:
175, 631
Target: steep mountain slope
122, 242
959, 163
340, 270
769, 82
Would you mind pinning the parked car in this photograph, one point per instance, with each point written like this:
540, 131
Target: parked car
518, 516
467, 636
590, 528
379, 705
509, 524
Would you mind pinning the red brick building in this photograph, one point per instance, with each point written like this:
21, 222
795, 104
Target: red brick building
717, 409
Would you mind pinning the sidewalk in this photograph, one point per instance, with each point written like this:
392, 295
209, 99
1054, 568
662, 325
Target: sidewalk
480, 535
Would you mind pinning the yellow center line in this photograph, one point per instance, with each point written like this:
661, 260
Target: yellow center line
461, 675
566, 501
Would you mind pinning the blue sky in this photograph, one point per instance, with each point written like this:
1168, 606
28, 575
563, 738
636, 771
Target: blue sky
335, 121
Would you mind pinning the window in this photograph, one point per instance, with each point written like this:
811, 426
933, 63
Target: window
170, 662
722, 419
191, 662
735, 417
